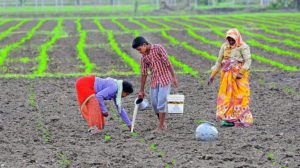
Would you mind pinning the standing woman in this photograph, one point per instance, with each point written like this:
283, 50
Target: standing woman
234, 61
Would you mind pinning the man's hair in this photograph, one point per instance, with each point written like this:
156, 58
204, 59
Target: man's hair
139, 41
127, 87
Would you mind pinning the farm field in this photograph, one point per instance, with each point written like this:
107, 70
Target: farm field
41, 126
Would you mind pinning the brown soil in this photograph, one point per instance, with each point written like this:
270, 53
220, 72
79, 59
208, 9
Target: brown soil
275, 105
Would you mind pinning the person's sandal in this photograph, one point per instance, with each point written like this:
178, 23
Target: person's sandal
227, 124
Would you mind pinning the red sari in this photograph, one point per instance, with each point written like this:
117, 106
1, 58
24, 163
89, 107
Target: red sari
89, 105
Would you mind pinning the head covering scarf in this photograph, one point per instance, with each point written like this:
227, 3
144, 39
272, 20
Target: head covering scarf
119, 94
236, 35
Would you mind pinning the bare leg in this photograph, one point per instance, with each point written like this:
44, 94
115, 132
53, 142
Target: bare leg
162, 117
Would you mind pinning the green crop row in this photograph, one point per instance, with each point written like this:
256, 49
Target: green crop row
12, 28
80, 49
254, 56
143, 26
6, 50
276, 24
43, 57
188, 47
114, 45
179, 23
186, 68
157, 22
216, 43
124, 28
260, 36
4, 22
265, 28
273, 49
100, 26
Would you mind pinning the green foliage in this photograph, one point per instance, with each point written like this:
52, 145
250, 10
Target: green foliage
124, 28
157, 22
80, 49
254, 56
134, 134
12, 28
256, 35
273, 49
100, 26
162, 153
274, 63
170, 38
270, 156
107, 138
43, 57
185, 67
179, 23
200, 121
199, 52
44, 131
32, 99
6, 50
63, 160
114, 45
173, 161
203, 39
142, 140
143, 26
153, 147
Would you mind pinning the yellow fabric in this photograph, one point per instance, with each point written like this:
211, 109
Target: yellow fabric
234, 97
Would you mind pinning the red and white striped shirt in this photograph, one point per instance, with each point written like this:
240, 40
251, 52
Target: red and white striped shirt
157, 61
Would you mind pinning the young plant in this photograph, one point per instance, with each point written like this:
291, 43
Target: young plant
63, 160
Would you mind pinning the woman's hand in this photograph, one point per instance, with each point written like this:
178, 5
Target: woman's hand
239, 76
211, 80
105, 114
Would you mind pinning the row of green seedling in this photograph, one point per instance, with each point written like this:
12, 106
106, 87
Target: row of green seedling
115, 47
4, 52
12, 28
43, 56
275, 24
44, 132
267, 29
276, 50
254, 56
256, 35
217, 31
80, 49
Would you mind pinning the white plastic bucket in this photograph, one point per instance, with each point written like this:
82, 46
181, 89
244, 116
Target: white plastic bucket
175, 104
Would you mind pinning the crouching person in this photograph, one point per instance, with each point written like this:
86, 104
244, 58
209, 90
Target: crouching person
93, 91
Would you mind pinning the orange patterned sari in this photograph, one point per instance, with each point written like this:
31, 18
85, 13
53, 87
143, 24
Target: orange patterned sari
234, 95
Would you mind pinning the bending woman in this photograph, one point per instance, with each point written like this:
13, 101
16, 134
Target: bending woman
234, 61
91, 93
